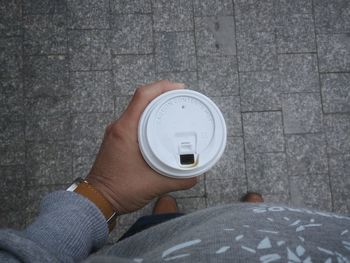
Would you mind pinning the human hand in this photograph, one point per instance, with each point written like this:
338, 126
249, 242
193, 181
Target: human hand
120, 172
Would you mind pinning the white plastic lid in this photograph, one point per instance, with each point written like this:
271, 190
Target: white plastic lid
182, 134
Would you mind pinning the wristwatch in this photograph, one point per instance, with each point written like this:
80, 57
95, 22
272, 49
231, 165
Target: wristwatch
84, 188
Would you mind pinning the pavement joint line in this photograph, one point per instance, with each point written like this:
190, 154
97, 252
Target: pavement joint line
114, 55
322, 104
239, 94
246, 112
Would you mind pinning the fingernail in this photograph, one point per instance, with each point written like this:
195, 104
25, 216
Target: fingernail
182, 85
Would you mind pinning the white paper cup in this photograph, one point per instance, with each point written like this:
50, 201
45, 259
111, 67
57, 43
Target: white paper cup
182, 134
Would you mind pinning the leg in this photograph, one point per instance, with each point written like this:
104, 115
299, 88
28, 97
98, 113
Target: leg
252, 197
165, 209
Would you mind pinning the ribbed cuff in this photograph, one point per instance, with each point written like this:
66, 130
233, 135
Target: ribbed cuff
69, 226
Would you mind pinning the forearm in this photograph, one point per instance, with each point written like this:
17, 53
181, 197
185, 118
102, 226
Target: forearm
67, 229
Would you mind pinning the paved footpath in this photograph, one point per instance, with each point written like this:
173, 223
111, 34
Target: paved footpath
278, 69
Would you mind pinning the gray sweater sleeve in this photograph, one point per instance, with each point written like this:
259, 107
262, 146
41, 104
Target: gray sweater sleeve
68, 228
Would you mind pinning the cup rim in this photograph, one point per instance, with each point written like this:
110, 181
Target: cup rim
158, 165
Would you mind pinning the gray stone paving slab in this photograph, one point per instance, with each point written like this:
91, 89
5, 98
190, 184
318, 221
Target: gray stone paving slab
256, 51
335, 92
92, 91
175, 51
10, 57
13, 199
225, 191
12, 143
88, 14
82, 165
311, 190
114, 236
173, 15
130, 6
263, 132
11, 98
230, 108
337, 127
267, 173
11, 128
187, 77
44, 34
333, 52
215, 36
339, 166
197, 191
307, 154
10, 18
231, 165
255, 15
332, 16
302, 113
12, 176
89, 49
49, 163
46, 75
260, 91
44, 7
13, 188
48, 128
298, 73
87, 132
46, 105
132, 71
131, 34
191, 204
217, 76
12, 153
295, 33
120, 105
294, 6
212, 7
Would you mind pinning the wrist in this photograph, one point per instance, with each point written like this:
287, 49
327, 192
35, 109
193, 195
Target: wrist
90, 192
102, 186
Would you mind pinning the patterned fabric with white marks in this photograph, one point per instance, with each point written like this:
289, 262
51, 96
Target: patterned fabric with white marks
232, 233
243, 232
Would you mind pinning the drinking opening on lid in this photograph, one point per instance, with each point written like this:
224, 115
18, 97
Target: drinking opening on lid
187, 159
187, 149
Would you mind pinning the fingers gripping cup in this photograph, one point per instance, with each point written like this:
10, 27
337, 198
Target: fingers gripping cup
182, 134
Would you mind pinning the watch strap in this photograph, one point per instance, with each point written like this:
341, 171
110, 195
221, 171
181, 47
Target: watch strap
87, 190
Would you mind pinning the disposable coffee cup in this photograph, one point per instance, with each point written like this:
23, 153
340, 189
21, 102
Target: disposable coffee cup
182, 134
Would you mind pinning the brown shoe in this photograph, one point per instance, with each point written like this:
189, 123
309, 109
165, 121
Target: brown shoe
165, 204
252, 197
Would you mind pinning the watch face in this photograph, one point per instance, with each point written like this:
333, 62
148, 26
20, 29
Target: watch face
72, 187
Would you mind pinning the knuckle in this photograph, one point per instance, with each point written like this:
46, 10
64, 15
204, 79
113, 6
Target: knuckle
108, 128
164, 81
116, 130
140, 91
